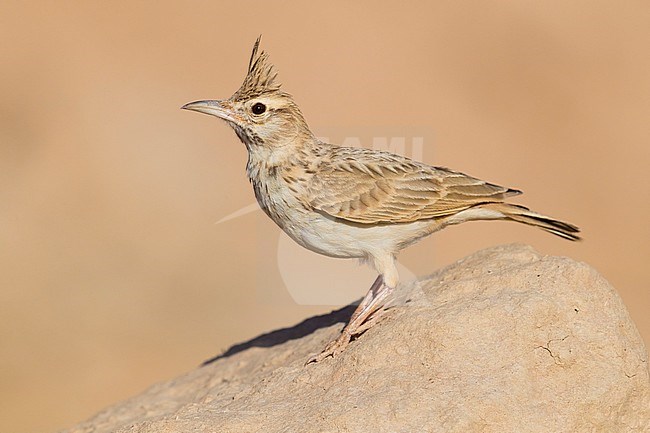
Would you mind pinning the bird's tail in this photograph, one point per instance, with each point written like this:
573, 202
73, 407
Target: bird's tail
524, 215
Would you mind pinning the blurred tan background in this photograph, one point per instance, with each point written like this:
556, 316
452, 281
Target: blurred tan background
113, 273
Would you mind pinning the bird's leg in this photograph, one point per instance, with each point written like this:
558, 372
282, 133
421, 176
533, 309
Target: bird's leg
367, 300
372, 320
366, 315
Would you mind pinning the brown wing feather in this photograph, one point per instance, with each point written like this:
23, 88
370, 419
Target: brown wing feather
370, 187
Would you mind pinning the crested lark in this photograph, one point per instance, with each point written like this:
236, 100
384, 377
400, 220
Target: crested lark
351, 202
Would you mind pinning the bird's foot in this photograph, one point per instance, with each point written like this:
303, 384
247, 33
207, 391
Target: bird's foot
333, 348
336, 347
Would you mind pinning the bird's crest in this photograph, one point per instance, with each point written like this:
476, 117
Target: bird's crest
261, 76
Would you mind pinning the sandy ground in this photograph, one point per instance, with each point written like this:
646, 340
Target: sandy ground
113, 273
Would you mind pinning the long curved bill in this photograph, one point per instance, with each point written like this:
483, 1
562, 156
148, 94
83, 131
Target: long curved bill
220, 109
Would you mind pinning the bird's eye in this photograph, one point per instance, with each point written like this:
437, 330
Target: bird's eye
259, 108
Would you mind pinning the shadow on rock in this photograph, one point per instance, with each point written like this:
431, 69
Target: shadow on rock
295, 332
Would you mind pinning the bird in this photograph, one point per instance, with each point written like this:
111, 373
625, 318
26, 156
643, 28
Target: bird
351, 202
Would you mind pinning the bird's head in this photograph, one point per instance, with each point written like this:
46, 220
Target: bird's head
264, 117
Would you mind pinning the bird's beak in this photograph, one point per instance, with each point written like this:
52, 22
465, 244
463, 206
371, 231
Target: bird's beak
220, 109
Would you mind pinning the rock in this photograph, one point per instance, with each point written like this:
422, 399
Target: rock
505, 340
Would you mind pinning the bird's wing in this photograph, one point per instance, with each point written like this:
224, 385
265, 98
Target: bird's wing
370, 187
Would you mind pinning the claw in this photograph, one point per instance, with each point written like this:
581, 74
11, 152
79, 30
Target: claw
333, 348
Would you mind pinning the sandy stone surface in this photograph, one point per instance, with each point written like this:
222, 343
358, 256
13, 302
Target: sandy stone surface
505, 340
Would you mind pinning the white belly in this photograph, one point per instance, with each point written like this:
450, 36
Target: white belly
336, 238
